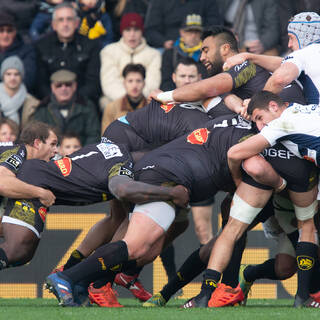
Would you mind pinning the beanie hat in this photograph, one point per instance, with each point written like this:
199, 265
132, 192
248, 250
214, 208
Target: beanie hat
13, 62
306, 27
131, 20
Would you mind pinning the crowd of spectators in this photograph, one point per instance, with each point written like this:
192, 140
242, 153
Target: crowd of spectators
112, 53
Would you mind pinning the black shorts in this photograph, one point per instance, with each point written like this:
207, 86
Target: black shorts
121, 133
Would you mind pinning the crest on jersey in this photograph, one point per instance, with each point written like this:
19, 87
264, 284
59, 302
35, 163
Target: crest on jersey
167, 107
65, 166
199, 136
42, 213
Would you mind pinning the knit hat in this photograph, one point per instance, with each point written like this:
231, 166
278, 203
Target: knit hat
6, 19
13, 62
306, 27
192, 22
131, 20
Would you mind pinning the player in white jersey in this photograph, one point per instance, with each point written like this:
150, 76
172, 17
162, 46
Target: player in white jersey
297, 127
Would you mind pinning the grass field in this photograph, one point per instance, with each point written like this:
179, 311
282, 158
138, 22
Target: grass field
47, 309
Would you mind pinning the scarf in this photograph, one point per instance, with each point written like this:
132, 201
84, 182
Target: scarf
193, 52
10, 106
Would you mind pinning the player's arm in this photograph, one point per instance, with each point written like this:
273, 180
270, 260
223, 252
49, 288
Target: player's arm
282, 77
244, 150
12, 187
200, 90
270, 63
124, 188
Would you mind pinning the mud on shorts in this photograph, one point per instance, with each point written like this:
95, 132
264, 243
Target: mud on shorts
27, 213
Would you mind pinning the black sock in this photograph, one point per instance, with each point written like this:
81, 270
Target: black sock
4, 263
264, 270
75, 257
294, 237
230, 276
99, 263
209, 283
307, 255
130, 270
191, 268
315, 281
103, 281
167, 257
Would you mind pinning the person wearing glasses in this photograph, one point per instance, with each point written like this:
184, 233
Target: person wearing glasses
12, 44
65, 48
67, 110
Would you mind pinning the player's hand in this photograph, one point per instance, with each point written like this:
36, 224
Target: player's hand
153, 95
46, 197
243, 110
234, 60
180, 196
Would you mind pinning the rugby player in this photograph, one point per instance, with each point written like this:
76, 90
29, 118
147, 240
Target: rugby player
109, 175
297, 128
197, 161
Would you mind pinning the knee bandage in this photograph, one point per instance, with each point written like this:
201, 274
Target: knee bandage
305, 213
243, 211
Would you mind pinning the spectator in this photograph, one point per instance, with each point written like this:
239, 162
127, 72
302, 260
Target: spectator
117, 8
131, 48
15, 102
164, 19
11, 44
95, 21
133, 82
66, 49
41, 23
9, 130
255, 22
24, 11
188, 44
69, 143
67, 110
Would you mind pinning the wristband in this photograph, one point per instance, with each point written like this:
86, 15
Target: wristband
166, 96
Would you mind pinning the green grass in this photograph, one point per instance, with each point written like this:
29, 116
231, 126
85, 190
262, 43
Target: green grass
47, 309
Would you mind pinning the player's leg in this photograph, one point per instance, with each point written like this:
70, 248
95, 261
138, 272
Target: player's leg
148, 224
242, 214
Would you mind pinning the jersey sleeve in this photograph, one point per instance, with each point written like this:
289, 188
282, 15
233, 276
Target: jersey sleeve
273, 131
297, 58
12, 159
242, 73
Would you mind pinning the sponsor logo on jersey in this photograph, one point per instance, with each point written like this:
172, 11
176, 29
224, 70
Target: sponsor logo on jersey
199, 136
280, 153
305, 262
14, 161
109, 150
42, 213
65, 166
167, 107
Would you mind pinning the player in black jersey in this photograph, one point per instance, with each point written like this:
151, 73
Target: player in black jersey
198, 161
243, 79
94, 173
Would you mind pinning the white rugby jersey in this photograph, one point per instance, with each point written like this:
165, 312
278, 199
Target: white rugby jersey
298, 129
308, 62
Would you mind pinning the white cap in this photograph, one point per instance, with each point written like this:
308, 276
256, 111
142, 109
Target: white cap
306, 27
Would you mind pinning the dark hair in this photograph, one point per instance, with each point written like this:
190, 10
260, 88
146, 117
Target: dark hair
132, 67
12, 124
261, 100
64, 5
223, 34
187, 61
70, 135
36, 130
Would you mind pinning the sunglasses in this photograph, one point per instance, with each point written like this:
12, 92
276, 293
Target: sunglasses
7, 29
61, 84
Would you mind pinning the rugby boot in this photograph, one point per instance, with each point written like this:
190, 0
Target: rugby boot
62, 289
133, 284
104, 296
199, 301
302, 303
245, 285
225, 296
156, 300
